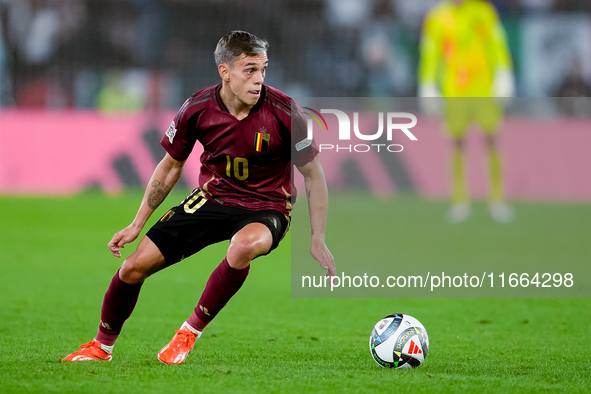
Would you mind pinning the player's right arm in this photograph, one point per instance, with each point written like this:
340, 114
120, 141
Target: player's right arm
165, 176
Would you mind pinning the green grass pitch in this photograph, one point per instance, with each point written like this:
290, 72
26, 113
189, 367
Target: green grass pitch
55, 267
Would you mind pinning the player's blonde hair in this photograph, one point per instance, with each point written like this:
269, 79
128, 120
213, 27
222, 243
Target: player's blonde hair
237, 42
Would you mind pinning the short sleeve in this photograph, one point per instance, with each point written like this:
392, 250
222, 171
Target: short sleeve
429, 52
303, 150
178, 140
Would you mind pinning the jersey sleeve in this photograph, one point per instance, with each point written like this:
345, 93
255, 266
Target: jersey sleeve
303, 150
500, 46
429, 52
179, 140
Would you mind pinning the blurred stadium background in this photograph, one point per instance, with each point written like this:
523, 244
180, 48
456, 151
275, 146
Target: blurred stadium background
102, 79
88, 88
138, 54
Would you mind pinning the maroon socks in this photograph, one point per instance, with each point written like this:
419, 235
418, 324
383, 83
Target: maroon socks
119, 301
222, 284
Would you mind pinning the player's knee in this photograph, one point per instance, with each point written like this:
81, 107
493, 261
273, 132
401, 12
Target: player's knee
245, 248
133, 272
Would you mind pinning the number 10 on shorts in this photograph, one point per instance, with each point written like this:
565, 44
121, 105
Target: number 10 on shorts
195, 202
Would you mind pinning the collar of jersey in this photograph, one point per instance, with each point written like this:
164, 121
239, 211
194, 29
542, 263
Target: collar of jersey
254, 109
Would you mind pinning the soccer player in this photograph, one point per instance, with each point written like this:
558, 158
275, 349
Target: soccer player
252, 134
465, 59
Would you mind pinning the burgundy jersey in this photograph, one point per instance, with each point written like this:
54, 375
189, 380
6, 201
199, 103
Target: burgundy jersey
245, 163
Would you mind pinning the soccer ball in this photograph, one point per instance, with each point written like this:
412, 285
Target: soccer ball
399, 341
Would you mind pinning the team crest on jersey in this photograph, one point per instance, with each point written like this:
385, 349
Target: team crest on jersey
261, 140
171, 132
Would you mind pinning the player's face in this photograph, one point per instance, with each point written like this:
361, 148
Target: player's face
247, 76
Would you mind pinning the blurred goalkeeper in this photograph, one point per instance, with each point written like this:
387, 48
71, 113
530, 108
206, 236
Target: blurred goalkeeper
464, 55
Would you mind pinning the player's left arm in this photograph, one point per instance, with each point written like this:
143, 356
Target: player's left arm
504, 83
430, 52
317, 195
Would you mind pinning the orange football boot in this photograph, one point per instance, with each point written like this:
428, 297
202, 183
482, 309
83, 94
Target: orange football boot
90, 351
179, 347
